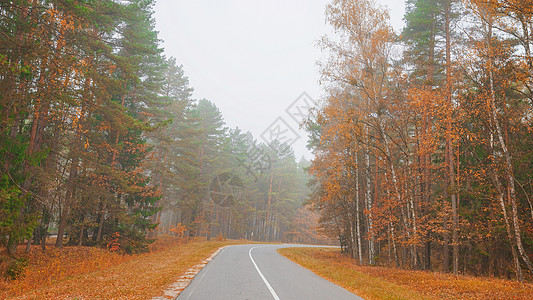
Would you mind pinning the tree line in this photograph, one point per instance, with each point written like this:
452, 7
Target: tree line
102, 143
423, 141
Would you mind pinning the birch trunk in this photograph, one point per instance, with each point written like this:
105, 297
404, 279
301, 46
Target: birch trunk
357, 214
511, 191
368, 201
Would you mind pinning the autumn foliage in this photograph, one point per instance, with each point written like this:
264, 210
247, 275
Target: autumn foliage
74, 101
88, 272
45, 269
423, 141
391, 283
103, 145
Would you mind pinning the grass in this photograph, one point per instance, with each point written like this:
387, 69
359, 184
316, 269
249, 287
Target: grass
389, 283
91, 273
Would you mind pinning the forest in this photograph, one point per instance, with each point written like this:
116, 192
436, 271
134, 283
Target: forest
423, 140
102, 143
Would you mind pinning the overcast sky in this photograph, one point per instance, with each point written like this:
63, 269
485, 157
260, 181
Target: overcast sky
253, 59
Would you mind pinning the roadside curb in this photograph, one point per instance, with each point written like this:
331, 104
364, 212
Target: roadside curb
172, 291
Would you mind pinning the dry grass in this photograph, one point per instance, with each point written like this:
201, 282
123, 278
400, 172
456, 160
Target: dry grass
389, 283
90, 273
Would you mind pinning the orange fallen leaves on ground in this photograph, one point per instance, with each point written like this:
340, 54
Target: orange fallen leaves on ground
53, 265
93, 273
390, 283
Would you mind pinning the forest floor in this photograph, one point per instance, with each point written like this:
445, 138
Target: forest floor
94, 273
390, 283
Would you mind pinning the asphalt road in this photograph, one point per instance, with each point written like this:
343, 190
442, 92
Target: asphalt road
258, 272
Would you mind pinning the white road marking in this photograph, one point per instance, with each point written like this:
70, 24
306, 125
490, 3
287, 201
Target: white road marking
262, 276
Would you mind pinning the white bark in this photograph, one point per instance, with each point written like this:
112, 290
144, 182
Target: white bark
508, 164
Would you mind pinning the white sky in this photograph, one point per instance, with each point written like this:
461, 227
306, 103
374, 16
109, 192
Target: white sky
251, 58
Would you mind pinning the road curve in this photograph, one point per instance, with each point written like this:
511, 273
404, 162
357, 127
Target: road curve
257, 272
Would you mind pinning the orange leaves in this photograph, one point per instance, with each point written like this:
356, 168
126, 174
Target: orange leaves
112, 68
306, 228
54, 265
179, 230
389, 283
114, 242
92, 273
427, 105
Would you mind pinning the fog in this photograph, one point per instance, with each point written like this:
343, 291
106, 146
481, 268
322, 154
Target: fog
253, 59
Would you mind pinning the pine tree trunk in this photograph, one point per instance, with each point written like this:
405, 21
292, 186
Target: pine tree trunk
65, 210
449, 144
44, 236
101, 223
61, 227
